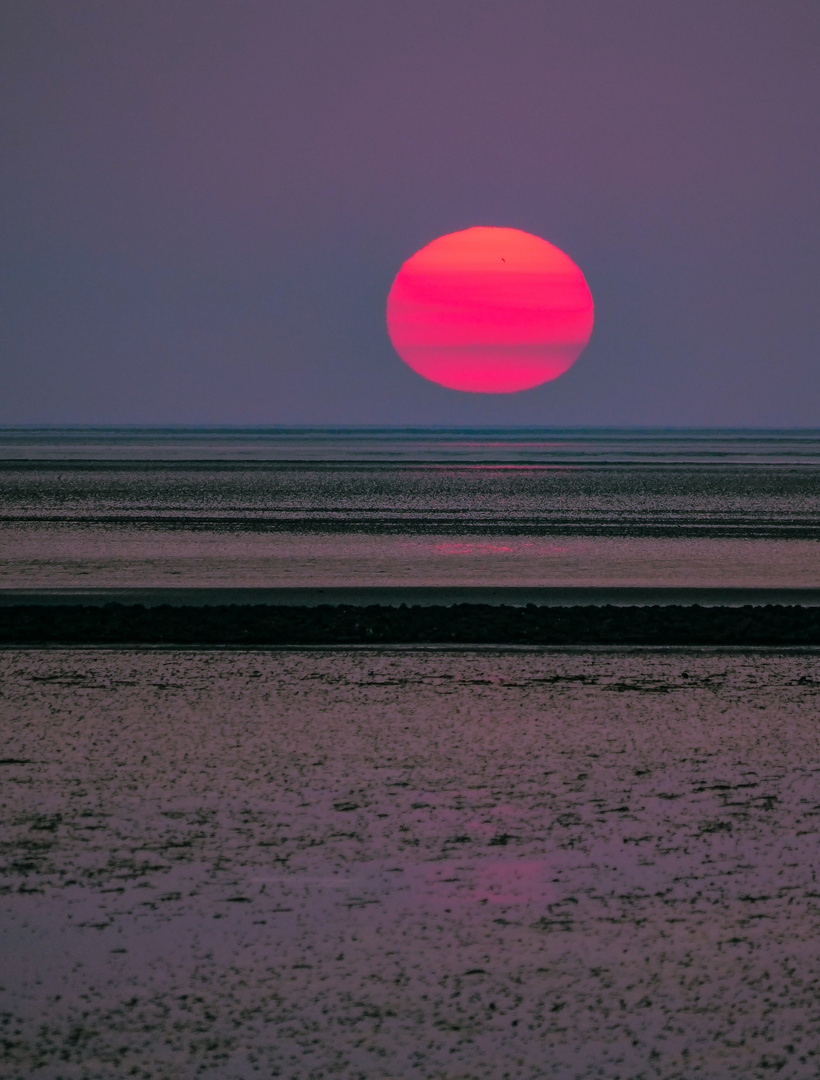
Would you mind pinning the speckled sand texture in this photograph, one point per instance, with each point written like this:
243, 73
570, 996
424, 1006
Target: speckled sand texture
409, 864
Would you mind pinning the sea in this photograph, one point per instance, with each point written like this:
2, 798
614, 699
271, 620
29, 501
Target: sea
333, 508
389, 862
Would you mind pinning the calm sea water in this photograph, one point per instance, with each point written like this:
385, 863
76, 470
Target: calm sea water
277, 507
582, 446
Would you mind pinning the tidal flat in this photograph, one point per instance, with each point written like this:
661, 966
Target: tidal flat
409, 863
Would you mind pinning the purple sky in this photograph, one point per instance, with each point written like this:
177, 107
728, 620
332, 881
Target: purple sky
203, 204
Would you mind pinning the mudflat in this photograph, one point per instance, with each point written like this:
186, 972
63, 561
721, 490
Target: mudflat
409, 863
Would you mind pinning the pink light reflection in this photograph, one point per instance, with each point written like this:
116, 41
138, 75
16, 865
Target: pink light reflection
470, 549
488, 468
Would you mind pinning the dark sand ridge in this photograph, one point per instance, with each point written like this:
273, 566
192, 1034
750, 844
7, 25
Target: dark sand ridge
238, 625
391, 865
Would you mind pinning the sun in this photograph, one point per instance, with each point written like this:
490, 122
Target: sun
489, 310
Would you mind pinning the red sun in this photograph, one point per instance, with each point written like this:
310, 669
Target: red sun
489, 310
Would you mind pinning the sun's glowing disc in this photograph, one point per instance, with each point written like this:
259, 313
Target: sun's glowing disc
490, 310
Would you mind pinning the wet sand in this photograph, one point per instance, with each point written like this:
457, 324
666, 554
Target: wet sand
423, 596
388, 864
187, 552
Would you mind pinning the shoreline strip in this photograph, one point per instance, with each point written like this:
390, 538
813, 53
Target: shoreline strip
414, 595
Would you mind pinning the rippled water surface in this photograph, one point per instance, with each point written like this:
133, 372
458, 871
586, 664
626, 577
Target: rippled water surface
254, 508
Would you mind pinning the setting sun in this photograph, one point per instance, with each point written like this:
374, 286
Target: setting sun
490, 310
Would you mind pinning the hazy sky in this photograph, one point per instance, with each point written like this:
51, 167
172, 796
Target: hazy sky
203, 204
